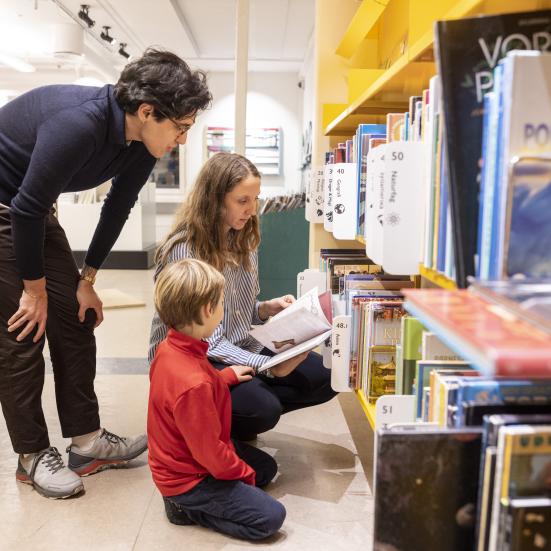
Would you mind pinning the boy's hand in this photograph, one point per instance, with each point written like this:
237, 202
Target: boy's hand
244, 372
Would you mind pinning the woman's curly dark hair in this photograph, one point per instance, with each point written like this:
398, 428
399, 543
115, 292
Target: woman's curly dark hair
165, 81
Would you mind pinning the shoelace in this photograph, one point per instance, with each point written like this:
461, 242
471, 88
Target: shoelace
112, 438
52, 460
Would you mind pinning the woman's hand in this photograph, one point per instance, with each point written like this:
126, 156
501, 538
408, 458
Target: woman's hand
32, 311
288, 366
87, 298
274, 306
244, 372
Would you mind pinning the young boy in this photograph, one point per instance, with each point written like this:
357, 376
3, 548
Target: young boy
203, 477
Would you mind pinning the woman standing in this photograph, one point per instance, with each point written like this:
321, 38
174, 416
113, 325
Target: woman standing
219, 225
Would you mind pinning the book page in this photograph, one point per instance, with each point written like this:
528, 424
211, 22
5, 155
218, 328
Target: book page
310, 344
286, 332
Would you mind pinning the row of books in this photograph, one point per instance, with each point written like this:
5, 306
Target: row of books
412, 188
280, 203
482, 487
489, 436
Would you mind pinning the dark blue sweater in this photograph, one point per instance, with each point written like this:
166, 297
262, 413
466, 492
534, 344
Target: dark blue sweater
55, 139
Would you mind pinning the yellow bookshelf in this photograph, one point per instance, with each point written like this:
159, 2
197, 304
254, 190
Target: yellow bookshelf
360, 239
369, 409
437, 278
388, 46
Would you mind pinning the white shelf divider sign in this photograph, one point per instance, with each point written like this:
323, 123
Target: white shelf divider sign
317, 195
345, 201
340, 344
328, 175
403, 206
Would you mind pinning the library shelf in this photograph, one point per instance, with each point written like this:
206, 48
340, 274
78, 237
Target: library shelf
360, 239
369, 409
404, 44
437, 278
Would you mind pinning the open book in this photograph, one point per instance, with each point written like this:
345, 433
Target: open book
299, 328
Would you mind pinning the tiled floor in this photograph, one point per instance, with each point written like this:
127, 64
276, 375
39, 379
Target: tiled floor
323, 454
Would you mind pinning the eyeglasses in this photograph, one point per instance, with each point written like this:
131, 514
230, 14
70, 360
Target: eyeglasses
181, 129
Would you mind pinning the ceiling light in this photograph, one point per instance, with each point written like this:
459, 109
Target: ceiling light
16, 63
122, 50
106, 36
83, 14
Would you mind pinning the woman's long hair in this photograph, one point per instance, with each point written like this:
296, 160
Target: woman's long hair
199, 221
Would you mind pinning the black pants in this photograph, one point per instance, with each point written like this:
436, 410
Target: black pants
72, 347
231, 506
257, 405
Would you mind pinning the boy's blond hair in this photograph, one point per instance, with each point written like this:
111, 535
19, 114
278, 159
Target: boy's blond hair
183, 288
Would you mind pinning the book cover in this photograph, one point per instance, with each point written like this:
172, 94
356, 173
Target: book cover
364, 133
394, 123
496, 342
528, 524
381, 372
433, 349
422, 375
412, 333
530, 300
426, 488
525, 180
467, 50
523, 469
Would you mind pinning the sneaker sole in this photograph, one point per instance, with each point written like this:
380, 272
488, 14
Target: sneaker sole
98, 465
24, 479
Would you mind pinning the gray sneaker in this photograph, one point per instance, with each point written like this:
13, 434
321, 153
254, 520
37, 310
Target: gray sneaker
49, 476
108, 451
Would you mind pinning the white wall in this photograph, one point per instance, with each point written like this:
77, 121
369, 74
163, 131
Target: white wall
273, 100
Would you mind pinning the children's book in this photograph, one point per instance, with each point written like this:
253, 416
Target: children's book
426, 489
297, 329
496, 342
467, 51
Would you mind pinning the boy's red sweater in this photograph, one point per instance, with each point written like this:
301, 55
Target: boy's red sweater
189, 418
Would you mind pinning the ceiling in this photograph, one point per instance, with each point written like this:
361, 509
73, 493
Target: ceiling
200, 31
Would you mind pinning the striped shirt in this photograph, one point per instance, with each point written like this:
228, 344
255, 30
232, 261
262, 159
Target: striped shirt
230, 343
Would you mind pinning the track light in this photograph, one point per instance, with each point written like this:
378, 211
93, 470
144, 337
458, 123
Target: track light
106, 36
83, 14
122, 50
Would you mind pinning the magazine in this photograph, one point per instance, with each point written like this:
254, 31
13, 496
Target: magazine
297, 329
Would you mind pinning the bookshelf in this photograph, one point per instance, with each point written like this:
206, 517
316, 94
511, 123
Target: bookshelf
436, 278
389, 49
369, 409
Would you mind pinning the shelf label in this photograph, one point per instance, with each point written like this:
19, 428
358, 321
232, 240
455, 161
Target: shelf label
345, 199
403, 211
340, 345
375, 203
317, 195
329, 172
307, 175
394, 409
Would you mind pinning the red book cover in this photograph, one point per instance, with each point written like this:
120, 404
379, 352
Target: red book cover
492, 338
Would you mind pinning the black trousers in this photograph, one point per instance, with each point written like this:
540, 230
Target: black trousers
72, 347
258, 404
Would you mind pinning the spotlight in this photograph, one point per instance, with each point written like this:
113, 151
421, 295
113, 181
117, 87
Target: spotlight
83, 14
106, 36
122, 50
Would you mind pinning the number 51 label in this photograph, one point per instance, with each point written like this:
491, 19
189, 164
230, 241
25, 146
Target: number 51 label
394, 409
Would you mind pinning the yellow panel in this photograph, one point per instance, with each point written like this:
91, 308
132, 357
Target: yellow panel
359, 80
331, 111
361, 25
393, 31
